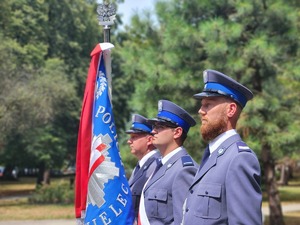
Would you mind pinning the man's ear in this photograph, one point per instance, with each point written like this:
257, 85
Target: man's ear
231, 109
178, 132
149, 139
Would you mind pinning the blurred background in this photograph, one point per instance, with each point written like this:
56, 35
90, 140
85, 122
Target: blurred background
161, 49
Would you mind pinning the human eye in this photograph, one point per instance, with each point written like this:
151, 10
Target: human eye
205, 105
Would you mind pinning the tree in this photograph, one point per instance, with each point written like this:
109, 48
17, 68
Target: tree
31, 117
43, 42
44, 56
254, 42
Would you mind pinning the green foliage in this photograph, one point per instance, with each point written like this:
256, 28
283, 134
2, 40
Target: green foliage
56, 193
254, 42
42, 102
44, 55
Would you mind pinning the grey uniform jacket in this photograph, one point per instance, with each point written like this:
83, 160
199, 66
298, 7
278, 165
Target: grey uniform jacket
166, 191
226, 190
137, 181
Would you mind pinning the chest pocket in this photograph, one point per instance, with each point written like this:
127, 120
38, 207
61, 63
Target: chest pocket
157, 203
209, 199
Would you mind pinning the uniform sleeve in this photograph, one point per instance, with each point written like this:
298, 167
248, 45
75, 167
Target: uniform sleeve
243, 190
180, 188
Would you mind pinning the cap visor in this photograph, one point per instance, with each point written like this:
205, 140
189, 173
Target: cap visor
206, 95
162, 121
135, 132
154, 120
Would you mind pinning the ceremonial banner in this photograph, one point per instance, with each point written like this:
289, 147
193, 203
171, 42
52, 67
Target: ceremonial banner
102, 192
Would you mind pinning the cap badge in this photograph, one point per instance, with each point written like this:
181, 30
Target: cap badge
205, 76
160, 106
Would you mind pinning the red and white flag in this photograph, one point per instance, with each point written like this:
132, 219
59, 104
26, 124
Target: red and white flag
102, 193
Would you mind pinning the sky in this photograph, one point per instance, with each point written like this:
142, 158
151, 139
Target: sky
130, 6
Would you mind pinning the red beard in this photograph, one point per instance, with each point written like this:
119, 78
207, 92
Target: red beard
211, 129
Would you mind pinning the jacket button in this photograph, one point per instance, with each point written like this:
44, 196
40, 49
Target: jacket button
206, 192
191, 191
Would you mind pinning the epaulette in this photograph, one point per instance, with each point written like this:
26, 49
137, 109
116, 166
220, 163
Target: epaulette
242, 147
187, 161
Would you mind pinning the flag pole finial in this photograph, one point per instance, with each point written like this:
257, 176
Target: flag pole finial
106, 16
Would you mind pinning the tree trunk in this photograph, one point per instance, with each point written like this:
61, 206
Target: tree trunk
46, 176
43, 175
284, 174
40, 175
276, 216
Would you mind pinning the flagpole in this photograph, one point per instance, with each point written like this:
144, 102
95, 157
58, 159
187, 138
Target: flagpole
102, 194
106, 16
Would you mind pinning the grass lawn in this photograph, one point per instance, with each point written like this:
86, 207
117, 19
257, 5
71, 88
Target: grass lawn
21, 209
11, 188
289, 194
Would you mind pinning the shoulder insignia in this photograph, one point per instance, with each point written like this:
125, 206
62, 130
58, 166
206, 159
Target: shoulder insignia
242, 147
187, 161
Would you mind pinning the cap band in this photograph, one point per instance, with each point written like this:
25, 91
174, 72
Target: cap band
141, 127
175, 118
226, 91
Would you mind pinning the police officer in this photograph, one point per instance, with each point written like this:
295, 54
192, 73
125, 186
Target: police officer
165, 191
140, 143
226, 189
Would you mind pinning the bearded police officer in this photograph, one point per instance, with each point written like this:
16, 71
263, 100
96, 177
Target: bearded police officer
226, 188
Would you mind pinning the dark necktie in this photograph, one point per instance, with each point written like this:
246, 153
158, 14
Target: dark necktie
158, 165
137, 168
205, 156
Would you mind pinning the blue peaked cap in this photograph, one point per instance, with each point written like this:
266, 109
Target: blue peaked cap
219, 84
169, 112
139, 125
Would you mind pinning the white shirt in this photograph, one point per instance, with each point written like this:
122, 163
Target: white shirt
214, 144
169, 155
146, 157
